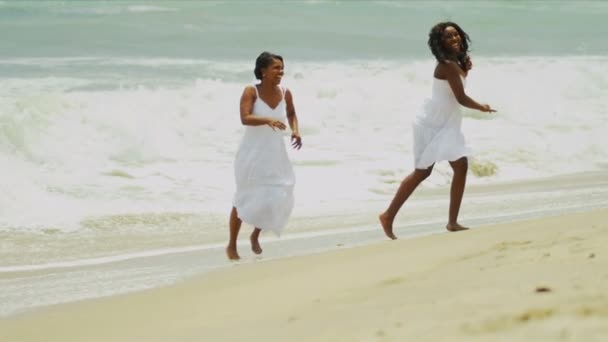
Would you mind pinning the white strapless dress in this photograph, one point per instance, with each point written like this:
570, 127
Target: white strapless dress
437, 128
263, 173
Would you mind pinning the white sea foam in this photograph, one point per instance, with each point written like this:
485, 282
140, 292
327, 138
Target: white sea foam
176, 143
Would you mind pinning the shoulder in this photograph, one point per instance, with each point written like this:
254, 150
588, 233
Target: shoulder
250, 90
448, 66
447, 69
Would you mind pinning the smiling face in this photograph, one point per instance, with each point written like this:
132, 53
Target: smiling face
451, 40
274, 72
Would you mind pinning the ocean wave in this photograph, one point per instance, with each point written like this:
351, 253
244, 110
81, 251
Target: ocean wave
113, 10
82, 146
148, 8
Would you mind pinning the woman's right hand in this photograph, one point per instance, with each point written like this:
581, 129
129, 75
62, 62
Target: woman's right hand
276, 124
487, 109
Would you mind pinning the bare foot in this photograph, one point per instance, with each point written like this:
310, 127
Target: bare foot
455, 227
255, 245
387, 226
232, 253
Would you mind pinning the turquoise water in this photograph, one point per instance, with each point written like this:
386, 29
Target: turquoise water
305, 30
111, 108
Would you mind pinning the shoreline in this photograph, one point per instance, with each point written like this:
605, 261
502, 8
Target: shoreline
112, 275
363, 215
512, 280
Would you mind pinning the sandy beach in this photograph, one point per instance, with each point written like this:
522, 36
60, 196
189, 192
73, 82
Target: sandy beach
539, 280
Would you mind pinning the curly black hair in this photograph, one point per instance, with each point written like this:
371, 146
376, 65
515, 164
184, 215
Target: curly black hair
263, 61
436, 43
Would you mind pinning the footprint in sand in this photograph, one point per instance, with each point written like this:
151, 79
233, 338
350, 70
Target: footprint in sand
501, 247
588, 311
508, 244
509, 322
392, 281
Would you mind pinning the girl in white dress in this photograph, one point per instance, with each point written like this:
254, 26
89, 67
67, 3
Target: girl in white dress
437, 129
263, 173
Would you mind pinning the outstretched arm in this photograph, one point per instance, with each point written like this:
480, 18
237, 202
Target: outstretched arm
247, 117
452, 73
292, 118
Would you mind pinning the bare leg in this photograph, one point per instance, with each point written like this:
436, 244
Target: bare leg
235, 226
255, 242
459, 179
407, 187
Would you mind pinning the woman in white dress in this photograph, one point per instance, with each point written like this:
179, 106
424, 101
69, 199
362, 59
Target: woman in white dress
263, 173
437, 129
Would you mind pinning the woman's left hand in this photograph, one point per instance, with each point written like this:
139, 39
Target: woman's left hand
296, 141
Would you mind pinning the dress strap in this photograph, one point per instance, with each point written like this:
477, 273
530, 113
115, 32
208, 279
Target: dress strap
283, 91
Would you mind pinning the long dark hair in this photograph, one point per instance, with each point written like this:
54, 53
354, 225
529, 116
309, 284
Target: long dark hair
436, 43
263, 61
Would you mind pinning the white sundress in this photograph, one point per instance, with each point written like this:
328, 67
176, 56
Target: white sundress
263, 172
437, 128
